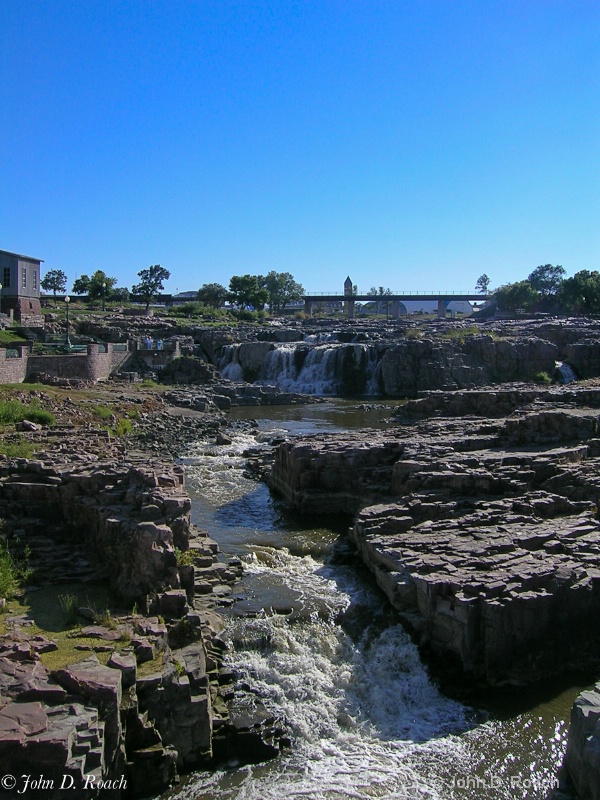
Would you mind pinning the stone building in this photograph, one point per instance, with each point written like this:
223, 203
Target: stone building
20, 294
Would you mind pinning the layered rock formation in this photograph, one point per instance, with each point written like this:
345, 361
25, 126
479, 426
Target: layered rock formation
94, 724
484, 535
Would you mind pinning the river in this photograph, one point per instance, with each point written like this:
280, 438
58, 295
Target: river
320, 646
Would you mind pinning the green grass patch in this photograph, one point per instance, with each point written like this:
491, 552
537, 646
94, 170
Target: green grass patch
413, 333
460, 334
102, 412
8, 338
69, 604
19, 449
123, 427
12, 411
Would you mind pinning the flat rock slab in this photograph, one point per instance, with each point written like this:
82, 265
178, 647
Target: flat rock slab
500, 594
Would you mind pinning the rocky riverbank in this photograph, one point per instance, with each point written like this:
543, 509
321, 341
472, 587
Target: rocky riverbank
476, 511
482, 532
111, 659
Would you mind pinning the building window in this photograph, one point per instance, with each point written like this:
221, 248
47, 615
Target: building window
24, 278
6, 281
34, 279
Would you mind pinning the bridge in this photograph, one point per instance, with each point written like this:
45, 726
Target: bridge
394, 299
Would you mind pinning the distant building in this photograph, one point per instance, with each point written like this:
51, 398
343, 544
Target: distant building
348, 286
184, 297
20, 294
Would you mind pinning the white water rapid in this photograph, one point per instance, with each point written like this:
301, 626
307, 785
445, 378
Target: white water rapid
315, 640
320, 369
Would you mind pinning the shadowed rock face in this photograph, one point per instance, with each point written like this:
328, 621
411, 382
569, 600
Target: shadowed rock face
582, 761
482, 532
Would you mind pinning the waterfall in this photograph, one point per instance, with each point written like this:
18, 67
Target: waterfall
326, 369
228, 363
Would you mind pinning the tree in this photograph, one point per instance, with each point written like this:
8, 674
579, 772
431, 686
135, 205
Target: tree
151, 283
520, 296
213, 294
55, 281
546, 279
581, 293
120, 294
282, 289
245, 291
100, 286
81, 285
483, 284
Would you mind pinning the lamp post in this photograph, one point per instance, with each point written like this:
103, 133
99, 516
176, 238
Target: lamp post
67, 340
103, 294
0, 298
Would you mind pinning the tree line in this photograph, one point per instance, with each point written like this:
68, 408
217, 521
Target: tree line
275, 289
547, 289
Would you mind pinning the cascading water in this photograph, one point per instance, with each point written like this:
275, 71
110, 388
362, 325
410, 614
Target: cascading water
228, 363
314, 639
326, 369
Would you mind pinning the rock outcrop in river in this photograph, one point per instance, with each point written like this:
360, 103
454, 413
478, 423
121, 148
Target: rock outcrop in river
482, 532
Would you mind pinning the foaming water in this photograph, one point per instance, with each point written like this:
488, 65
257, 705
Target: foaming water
357, 708
321, 650
319, 365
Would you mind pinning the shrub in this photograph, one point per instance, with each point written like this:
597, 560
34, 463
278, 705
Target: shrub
542, 377
9, 576
184, 557
13, 573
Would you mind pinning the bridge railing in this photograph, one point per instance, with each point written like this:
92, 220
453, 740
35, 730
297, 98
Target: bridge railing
391, 294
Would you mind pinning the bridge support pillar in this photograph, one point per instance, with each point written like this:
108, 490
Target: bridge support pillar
350, 309
395, 309
308, 307
442, 308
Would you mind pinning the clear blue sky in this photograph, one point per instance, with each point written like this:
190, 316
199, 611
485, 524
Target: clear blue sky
413, 144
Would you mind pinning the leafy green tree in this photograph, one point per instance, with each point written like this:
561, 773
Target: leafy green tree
546, 279
245, 291
100, 286
282, 289
81, 285
55, 281
483, 284
581, 293
120, 294
520, 296
213, 294
151, 283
